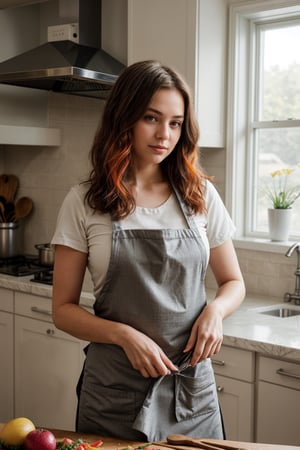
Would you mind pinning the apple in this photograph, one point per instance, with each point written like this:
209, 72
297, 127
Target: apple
40, 439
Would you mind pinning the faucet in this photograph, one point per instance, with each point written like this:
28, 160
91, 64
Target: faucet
296, 295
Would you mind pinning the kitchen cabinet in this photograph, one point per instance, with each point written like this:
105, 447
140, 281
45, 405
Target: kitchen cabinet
23, 112
178, 33
6, 355
47, 365
235, 376
211, 72
278, 400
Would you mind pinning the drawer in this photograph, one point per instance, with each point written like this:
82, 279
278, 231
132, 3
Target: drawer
38, 307
33, 306
235, 363
279, 372
6, 300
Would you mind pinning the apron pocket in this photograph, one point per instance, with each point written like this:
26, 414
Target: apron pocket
197, 395
100, 402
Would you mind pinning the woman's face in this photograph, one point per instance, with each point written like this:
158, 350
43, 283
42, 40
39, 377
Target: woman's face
157, 132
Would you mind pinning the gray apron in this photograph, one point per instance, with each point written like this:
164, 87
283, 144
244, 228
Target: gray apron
154, 283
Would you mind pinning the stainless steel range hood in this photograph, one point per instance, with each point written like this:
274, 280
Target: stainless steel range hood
81, 68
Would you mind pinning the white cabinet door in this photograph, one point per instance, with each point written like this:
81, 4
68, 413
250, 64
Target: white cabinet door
6, 362
164, 30
235, 375
211, 70
47, 366
236, 400
277, 415
278, 400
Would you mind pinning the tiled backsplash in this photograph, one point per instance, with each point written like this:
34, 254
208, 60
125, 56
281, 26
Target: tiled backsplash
46, 175
269, 274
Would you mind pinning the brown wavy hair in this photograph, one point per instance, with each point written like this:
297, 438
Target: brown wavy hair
111, 152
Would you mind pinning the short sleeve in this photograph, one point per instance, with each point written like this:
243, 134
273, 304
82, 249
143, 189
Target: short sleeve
70, 225
220, 226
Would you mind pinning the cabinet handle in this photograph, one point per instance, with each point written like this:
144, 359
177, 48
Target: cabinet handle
286, 373
50, 332
220, 389
41, 311
218, 362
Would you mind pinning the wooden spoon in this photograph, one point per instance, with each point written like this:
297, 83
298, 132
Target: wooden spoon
23, 208
2, 213
8, 186
180, 439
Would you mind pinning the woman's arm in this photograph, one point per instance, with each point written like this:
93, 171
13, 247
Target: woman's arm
69, 270
207, 332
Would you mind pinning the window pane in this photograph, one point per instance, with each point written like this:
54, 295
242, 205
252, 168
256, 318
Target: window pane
281, 73
278, 148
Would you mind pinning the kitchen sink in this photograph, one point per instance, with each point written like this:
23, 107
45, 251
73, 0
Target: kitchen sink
282, 311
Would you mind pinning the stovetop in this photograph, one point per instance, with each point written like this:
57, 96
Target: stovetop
24, 265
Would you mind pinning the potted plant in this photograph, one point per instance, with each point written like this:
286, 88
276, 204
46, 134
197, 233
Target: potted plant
282, 197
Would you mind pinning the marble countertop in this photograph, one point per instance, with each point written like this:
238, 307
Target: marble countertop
246, 328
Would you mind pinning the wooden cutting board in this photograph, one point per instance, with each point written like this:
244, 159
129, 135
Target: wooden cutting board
233, 444
119, 444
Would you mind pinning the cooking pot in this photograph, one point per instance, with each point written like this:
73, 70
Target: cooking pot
46, 254
11, 239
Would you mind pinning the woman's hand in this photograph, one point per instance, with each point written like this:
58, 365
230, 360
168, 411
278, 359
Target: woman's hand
207, 334
145, 355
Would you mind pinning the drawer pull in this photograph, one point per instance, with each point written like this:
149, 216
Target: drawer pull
41, 311
218, 362
50, 332
220, 388
288, 374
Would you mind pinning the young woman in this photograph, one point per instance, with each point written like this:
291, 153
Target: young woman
146, 223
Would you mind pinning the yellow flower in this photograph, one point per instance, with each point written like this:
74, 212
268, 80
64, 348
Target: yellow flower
280, 172
282, 196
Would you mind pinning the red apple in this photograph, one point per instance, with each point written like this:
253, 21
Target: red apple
40, 439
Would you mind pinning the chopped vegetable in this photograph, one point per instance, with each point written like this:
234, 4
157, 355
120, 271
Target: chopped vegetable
96, 443
79, 444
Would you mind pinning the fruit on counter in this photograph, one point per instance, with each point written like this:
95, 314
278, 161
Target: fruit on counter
14, 432
40, 439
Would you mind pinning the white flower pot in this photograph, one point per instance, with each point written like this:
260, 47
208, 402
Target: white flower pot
279, 223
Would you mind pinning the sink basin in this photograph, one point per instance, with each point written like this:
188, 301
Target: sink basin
282, 311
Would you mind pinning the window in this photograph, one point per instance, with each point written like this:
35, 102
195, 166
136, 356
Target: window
264, 110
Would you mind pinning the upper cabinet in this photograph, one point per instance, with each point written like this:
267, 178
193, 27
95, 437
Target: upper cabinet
164, 30
23, 111
189, 35
212, 72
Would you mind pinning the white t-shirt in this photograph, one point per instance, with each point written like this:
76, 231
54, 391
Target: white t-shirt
80, 227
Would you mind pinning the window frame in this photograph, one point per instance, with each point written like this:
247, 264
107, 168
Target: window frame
241, 104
